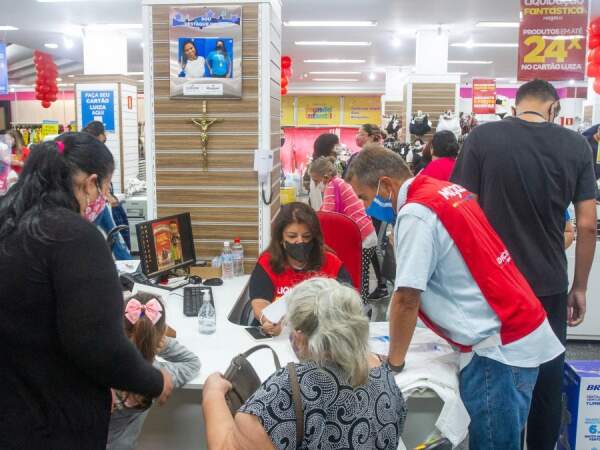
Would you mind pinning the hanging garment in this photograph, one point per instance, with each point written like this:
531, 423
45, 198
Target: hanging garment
419, 125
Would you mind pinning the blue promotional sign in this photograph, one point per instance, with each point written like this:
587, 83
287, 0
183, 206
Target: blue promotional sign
3, 69
99, 106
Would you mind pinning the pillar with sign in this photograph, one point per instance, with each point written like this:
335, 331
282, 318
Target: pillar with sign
112, 100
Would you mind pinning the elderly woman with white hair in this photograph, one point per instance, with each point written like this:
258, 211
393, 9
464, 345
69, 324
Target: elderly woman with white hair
349, 398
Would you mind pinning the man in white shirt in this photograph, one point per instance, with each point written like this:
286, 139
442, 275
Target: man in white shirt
454, 272
194, 65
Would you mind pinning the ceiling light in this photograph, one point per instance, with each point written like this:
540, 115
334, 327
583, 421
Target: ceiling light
372, 76
50, 45
330, 23
396, 42
68, 43
8, 28
469, 62
497, 25
335, 61
71, 76
115, 26
334, 43
134, 73
471, 44
142, 44
335, 79
571, 82
334, 72
305, 75
59, 79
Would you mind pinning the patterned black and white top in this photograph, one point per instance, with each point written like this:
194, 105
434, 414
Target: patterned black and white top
336, 416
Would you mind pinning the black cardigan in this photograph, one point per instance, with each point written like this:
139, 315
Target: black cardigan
62, 339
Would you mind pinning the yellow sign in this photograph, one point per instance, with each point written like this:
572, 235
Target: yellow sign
49, 127
287, 111
323, 111
361, 110
598, 154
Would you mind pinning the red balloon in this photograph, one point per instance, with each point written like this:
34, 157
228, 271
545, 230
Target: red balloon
46, 104
593, 70
595, 56
595, 26
287, 72
52, 98
44, 88
39, 96
284, 91
284, 82
286, 62
594, 41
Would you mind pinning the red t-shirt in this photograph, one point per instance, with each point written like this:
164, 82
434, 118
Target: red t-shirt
440, 169
23, 158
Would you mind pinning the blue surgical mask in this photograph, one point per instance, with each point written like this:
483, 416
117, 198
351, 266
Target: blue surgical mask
382, 209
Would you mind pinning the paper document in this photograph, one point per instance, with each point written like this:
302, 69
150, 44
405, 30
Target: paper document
128, 266
276, 310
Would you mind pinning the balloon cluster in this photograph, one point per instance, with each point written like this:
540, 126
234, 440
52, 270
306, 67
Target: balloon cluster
45, 84
593, 68
286, 73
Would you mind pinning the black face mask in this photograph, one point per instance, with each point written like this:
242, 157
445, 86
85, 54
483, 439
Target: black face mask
299, 252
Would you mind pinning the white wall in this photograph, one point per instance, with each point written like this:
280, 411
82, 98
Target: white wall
31, 111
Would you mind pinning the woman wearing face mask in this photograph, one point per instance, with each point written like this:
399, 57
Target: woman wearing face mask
339, 197
325, 145
296, 253
61, 304
349, 398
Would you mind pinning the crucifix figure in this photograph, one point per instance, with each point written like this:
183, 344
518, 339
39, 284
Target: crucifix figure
204, 123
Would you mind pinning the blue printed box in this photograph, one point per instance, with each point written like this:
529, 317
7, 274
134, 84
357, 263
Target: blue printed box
580, 426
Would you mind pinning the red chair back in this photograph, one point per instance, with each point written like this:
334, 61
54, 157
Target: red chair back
342, 235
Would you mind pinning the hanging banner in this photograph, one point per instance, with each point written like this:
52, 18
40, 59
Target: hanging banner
287, 111
318, 111
552, 40
206, 51
49, 128
361, 110
484, 96
98, 106
3, 69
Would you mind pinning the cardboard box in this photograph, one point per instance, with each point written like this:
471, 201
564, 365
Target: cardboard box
580, 426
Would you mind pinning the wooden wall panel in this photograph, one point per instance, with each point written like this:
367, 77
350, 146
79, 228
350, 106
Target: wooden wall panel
191, 141
188, 196
216, 160
199, 177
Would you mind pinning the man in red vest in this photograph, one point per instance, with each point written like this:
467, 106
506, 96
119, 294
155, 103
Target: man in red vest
454, 272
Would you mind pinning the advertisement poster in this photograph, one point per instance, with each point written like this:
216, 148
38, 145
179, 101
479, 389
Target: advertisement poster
484, 96
167, 243
361, 110
49, 128
206, 51
552, 40
3, 69
99, 106
318, 111
287, 111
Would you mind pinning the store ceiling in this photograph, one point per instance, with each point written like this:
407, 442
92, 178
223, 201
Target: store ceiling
41, 23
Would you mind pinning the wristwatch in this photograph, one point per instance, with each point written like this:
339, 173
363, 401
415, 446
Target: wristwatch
396, 369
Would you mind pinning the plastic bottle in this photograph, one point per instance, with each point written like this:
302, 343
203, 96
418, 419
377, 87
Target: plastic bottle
207, 319
227, 261
238, 258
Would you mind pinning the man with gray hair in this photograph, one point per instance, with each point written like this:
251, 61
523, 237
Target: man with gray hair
454, 272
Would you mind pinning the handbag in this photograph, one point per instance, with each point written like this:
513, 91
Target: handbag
297, 399
243, 378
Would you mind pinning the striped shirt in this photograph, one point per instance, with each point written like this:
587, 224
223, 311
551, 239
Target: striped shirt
351, 205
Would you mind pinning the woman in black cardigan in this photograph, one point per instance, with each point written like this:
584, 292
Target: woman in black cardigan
61, 325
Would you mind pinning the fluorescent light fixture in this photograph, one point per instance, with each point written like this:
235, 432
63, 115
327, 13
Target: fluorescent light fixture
134, 73
372, 76
497, 25
396, 42
571, 82
330, 23
469, 62
71, 76
471, 44
142, 44
68, 43
50, 45
334, 43
335, 72
115, 26
335, 79
335, 61
59, 79
8, 28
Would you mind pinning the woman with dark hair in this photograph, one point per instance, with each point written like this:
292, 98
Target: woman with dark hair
219, 61
296, 253
324, 146
61, 304
192, 64
444, 150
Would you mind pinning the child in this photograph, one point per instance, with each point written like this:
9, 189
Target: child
146, 327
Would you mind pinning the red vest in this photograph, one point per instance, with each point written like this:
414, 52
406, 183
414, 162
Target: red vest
493, 269
284, 282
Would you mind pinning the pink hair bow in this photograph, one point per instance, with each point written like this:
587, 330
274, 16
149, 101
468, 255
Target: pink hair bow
134, 310
61, 147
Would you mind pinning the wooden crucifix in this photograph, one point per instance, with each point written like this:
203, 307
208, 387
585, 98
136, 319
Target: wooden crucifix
204, 123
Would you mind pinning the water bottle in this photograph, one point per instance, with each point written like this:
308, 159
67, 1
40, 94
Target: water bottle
207, 319
227, 261
238, 258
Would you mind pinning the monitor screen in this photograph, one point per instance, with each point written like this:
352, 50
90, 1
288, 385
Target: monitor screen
166, 244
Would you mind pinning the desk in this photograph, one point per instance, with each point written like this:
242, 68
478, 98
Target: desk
181, 419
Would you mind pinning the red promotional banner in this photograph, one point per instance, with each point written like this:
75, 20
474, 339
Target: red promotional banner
552, 39
484, 96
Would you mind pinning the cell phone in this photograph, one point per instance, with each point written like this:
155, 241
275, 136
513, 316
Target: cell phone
256, 334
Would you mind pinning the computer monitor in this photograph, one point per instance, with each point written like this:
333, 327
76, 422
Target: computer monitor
166, 244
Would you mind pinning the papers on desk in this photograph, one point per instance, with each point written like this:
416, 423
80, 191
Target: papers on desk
128, 265
276, 310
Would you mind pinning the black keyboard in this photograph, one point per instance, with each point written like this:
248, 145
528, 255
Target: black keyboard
193, 296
